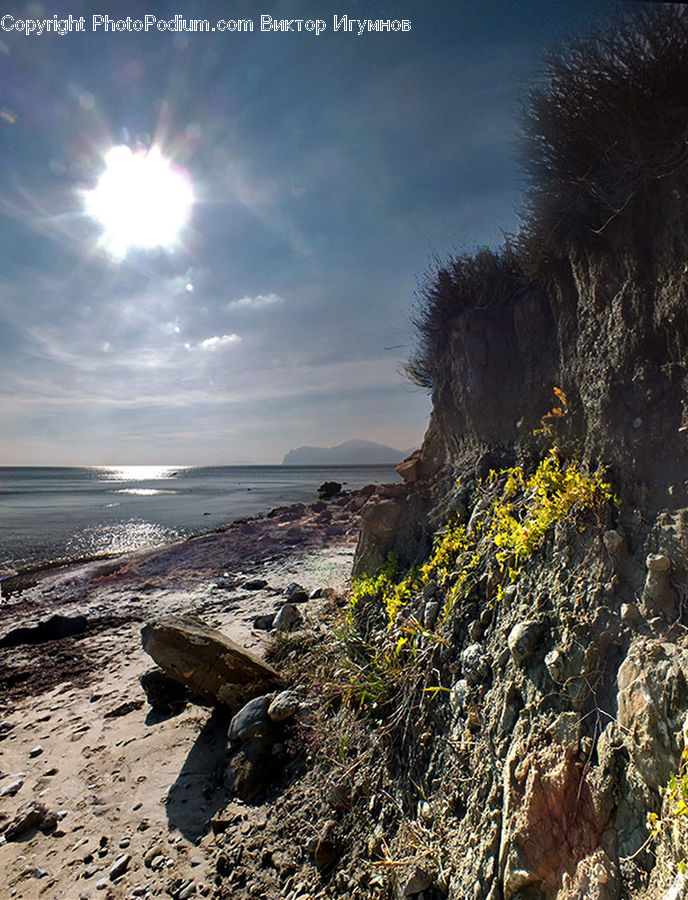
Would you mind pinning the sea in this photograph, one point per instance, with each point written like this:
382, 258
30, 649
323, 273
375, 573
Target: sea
58, 515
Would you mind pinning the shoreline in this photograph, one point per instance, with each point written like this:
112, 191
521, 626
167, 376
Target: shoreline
76, 731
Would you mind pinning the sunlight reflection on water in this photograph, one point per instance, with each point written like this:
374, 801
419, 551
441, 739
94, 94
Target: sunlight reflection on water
122, 537
138, 473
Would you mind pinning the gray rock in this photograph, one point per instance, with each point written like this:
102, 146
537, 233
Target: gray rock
432, 611
264, 622
119, 867
251, 769
295, 593
474, 664
659, 598
523, 640
164, 693
555, 663
329, 489
255, 584
208, 662
287, 618
413, 883
458, 695
251, 721
35, 751
29, 815
614, 543
12, 788
317, 593
283, 707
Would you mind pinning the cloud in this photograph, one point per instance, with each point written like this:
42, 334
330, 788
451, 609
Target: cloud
257, 301
217, 341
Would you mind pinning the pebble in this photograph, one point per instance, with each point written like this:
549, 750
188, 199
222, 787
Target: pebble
11, 789
120, 866
102, 884
283, 707
35, 751
196, 860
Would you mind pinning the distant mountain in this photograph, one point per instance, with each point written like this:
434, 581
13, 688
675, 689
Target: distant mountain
350, 453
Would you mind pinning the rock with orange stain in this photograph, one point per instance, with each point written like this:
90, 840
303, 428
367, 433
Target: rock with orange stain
554, 817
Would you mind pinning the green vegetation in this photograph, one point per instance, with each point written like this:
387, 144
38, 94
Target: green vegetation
513, 514
674, 807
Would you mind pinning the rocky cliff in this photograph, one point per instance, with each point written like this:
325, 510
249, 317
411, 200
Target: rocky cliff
552, 725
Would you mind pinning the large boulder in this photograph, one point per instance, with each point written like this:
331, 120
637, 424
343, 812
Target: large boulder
208, 662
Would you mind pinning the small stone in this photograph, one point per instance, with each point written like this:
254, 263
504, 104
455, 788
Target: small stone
120, 866
255, 584
614, 542
287, 618
196, 861
102, 884
475, 630
295, 593
554, 663
657, 562
124, 843
283, 707
35, 751
474, 664
415, 883
264, 622
637, 423
317, 593
630, 614
432, 611
29, 815
163, 693
325, 855
12, 788
523, 640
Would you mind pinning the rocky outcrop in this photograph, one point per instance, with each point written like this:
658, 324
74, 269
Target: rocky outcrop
206, 661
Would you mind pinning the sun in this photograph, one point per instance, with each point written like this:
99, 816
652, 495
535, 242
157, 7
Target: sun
141, 200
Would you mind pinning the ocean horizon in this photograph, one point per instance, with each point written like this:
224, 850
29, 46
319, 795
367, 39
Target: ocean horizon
53, 515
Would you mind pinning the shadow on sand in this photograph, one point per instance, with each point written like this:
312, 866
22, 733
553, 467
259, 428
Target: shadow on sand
198, 791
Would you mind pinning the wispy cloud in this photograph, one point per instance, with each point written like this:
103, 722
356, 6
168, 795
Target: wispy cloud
217, 341
255, 302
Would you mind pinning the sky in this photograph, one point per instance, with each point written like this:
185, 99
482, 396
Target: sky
328, 170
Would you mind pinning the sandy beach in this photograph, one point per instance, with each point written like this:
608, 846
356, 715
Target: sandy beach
134, 790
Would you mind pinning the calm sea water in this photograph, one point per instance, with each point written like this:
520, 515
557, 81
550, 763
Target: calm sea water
49, 514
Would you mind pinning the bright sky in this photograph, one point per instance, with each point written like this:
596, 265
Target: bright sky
259, 298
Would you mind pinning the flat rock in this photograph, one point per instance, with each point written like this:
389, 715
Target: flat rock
208, 662
255, 584
29, 815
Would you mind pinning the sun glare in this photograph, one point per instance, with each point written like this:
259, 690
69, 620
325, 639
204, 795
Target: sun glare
140, 200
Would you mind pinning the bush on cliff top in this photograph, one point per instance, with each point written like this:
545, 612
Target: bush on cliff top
481, 283
606, 133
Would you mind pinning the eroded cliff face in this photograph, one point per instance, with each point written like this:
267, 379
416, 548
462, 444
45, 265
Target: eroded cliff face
564, 676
